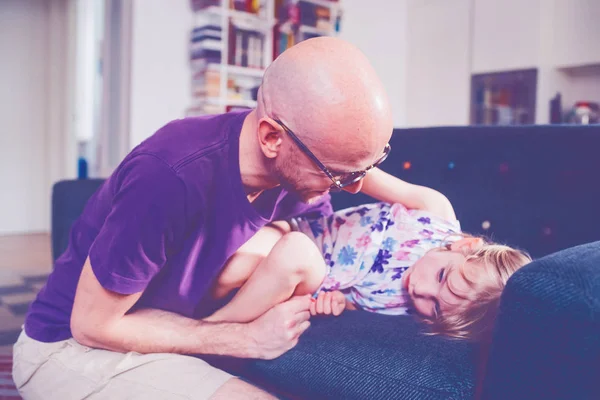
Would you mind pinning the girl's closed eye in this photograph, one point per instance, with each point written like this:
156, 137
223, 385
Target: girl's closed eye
441, 274
436, 304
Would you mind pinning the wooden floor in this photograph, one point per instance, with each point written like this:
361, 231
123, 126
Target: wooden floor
25, 262
26, 252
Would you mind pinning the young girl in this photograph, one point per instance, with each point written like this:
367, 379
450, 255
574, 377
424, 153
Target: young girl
378, 257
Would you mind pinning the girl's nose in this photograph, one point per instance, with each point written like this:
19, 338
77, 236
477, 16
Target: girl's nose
423, 291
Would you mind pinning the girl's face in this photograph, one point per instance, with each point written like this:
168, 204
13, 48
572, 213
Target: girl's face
427, 280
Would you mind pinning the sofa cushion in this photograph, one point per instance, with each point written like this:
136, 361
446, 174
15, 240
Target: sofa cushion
546, 343
361, 355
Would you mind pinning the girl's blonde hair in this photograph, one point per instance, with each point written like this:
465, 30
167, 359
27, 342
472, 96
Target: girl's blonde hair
475, 320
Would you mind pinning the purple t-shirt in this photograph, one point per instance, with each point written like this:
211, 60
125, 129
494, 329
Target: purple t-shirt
164, 223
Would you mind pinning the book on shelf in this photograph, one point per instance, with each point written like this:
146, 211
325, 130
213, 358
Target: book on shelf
216, 106
249, 6
208, 49
206, 32
245, 46
198, 5
207, 83
299, 20
227, 45
205, 39
310, 14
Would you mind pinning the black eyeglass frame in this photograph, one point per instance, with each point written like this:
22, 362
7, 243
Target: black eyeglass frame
346, 179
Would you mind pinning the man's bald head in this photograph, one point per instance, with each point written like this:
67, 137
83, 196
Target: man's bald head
327, 92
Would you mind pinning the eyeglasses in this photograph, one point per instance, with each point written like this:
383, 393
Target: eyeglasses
339, 181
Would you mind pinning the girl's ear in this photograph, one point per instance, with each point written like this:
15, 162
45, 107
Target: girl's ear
468, 244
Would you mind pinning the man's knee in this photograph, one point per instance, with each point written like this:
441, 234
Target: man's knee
236, 388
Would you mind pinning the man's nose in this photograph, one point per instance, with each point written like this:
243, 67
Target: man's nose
354, 188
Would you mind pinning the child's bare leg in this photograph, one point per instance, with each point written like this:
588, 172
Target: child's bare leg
295, 266
242, 264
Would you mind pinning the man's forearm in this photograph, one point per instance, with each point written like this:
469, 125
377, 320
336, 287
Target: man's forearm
156, 331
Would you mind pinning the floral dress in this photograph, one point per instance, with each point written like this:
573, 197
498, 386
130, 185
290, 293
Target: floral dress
368, 248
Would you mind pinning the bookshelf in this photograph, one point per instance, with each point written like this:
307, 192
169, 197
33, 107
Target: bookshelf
233, 41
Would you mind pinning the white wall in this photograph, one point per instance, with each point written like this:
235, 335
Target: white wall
438, 62
571, 59
506, 34
61, 150
576, 34
33, 114
23, 26
424, 51
450, 40
579, 82
160, 74
381, 34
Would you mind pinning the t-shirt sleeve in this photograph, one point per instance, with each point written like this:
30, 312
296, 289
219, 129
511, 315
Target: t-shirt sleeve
321, 208
146, 216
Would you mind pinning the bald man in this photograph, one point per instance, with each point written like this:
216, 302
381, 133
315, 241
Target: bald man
123, 308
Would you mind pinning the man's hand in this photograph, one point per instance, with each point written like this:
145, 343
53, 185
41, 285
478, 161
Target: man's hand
278, 330
329, 303
100, 320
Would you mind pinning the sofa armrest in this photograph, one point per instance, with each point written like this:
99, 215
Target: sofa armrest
69, 198
546, 343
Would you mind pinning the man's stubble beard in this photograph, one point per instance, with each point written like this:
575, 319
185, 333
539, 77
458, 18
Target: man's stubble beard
286, 171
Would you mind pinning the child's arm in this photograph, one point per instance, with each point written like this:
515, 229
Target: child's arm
389, 189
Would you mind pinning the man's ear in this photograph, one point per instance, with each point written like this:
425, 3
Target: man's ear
270, 137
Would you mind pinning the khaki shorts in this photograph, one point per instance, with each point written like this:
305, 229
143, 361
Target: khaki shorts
67, 370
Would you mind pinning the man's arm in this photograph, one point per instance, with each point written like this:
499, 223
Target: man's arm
100, 320
387, 188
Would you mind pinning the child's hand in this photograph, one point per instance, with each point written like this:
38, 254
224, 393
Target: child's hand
328, 303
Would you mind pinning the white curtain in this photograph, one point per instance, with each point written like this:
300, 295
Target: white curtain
113, 138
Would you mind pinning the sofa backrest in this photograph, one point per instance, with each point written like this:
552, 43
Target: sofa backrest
538, 187
69, 198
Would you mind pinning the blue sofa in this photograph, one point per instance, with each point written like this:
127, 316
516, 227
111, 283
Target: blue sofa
537, 188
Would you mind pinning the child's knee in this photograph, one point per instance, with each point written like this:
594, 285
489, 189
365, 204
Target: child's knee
297, 253
298, 245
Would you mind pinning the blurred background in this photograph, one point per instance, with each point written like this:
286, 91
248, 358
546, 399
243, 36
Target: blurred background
84, 81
